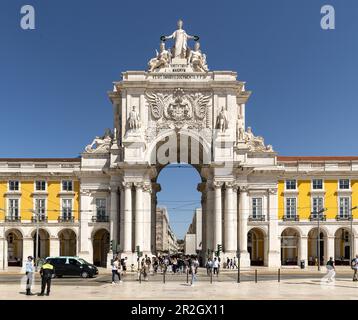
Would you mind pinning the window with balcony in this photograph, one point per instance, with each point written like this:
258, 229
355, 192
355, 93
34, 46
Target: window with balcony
67, 185
317, 206
317, 184
256, 210
344, 184
344, 212
13, 185
291, 184
13, 210
40, 210
291, 209
40, 185
101, 210
66, 210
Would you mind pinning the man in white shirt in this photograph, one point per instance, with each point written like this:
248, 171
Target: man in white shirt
29, 269
116, 267
216, 266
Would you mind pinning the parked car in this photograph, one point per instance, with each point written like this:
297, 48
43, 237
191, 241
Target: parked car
72, 266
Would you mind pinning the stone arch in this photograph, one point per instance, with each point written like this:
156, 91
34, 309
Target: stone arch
204, 147
14, 238
312, 246
100, 242
44, 242
68, 242
290, 246
256, 246
342, 246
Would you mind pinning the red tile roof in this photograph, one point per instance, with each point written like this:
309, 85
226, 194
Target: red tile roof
40, 159
316, 158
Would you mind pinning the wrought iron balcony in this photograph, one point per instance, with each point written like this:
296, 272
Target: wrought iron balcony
257, 218
100, 219
314, 217
12, 219
66, 219
42, 218
343, 218
291, 218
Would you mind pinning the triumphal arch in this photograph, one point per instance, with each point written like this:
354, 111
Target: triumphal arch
180, 111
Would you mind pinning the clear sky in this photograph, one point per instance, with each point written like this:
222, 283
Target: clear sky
54, 79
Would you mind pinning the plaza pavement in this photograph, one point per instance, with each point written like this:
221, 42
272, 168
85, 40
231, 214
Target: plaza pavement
311, 287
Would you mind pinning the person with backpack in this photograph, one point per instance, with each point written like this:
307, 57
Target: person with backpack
354, 265
331, 269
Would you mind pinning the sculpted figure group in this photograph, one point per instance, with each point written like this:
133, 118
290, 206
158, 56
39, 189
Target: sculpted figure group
180, 50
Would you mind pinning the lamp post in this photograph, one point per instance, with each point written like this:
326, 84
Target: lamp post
352, 235
36, 212
319, 236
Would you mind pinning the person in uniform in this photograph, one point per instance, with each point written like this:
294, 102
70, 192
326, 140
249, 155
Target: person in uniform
46, 273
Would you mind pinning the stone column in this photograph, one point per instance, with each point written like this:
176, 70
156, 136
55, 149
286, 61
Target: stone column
217, 214
202, 188
230, 236
303, 249
55, 247
274, 244
85, 217
243, 219
114, 213
121, 217
127, 218
147, 217
27, 249
330, 247
209, 221
139, 223
155, 189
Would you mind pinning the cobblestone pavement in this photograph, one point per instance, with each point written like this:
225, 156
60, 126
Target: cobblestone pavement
307, 288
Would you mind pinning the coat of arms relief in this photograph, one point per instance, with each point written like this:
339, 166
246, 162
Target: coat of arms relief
177, 110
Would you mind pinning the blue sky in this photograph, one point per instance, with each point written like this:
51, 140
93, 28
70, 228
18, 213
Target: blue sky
53, 80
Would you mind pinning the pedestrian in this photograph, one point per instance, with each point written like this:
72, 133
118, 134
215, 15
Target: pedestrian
209, 266
235, 264
29, 271
216, 266
193, 268
116, 267
46, 273
331, 269
354, 265
124, 264
228, 263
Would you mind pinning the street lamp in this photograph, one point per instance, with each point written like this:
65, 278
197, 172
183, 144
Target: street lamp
352, 235
37, 213
319, 236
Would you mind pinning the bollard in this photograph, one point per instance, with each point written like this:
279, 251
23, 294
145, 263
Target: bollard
279, 275
140, 277
211, 276
164, 276
187, 276
255, 275
238, 274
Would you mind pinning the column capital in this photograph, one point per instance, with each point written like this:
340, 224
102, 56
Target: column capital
147, 187
231, 185
127, 185
244, 188
217, 184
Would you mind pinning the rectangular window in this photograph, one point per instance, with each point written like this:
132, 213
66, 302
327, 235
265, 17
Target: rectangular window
101, 207
344, 207
290, 184
67, 185
13, 185
290, 207
40, 185
317, 204
13, 208
344, 184
66, 208
40, 208
317, 184
256, 207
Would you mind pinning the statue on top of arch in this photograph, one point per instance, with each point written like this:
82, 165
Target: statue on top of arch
180, 50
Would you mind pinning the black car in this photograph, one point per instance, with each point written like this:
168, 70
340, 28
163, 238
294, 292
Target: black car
72, 266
